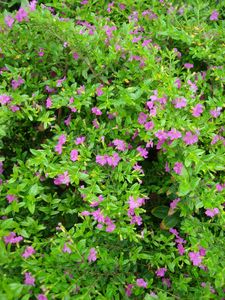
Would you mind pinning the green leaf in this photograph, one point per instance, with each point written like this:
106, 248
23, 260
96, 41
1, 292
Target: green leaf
160, 211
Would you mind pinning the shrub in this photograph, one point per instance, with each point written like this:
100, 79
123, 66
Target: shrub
112, 150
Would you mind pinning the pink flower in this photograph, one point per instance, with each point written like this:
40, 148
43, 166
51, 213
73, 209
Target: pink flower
214, 16
42, 297
188, 66
66, 249
41, 52
149, 125
136, 220
166, 281
212, 212
174, 134
178, 167
99, 91
190, 138
75, 55
178, 83
160, 272
17, 83
96, 111
142, 151
74, 155
12, 238
60, 81
129, 288
92, 255
142, 118
10, 198
5, 99
179, 102
193, 86
195, 258
113, 160
14, 108
81, 90
62, 139
98, 216
110, 225
181, 249
173, 204
28, 252
29, 280
101, 159
167, 168
216, 112
48, 102
21, 15
135, 203
9, 21
197, 110
32, 7
67, 121
120, 145
141, 283
80, 140
62, 179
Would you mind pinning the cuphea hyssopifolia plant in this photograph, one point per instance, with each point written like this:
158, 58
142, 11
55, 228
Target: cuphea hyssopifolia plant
112, 153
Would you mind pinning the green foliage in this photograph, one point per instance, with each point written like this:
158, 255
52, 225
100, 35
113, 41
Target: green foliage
106, 214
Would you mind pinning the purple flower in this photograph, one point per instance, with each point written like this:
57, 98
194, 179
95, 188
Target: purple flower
96, 111
66, 249
129, 288
99, 91
161, 272
181, 249
21, 15
32, 5
113, 160
42, 297
166, 281
12, 238
74, 155
142, 118
9, 21
216, 112
62, 139
98, 216
75, 55
135, 203
212, 212
29, 280
62, 179
188, 66
141, 283
48, 102
17, 83
179, 102
178, 83
178, 167
214, 16
14, 108
190, 138
60, 81
120, 145
110, 226
10, 198
193, 86
136, 220
80, 140
197, 110
149, 125
195, 258
28, 252
101, 159
142, 151
174, 134
92, 255
5, 99
167, 168
173, 204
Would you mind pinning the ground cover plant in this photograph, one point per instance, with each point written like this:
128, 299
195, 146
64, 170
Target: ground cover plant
112, 150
